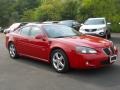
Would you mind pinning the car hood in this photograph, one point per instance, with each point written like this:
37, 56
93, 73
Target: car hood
86, 40
93, 26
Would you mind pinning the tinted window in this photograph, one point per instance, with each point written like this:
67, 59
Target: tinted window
35, 31
25, 31
22, 24
59, 31
67, 23
94, 21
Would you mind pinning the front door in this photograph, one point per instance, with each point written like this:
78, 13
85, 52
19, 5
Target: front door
39, 47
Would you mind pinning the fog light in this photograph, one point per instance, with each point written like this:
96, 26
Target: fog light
87, 63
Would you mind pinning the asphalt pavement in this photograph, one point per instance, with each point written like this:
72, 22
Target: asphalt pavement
28, 74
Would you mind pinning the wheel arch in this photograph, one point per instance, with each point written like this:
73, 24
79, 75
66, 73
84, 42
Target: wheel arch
9, 43
54, 48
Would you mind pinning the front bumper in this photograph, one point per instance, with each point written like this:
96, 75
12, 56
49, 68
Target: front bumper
95, 62
89, 61
100, 33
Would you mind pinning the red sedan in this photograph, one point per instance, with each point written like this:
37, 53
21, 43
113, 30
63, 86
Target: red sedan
61, 46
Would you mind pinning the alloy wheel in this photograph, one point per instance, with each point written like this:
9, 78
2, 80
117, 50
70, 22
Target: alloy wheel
58, 61
12, 51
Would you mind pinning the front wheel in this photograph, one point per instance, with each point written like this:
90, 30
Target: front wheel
107, 35
12, 51
59, 61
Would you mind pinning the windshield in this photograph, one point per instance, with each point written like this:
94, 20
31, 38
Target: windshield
60, 31
94, 22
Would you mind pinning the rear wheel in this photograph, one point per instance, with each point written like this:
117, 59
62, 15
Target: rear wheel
109, 36
59, 61
12, 51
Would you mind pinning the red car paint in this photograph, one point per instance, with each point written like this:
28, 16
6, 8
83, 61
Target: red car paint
41, 48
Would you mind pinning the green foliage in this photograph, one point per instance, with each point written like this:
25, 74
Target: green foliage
28, 16
5, 12
69, 9
24, 5
42, 10
48, 11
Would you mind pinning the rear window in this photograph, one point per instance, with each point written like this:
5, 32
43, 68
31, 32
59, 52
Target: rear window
35, 31
25, 31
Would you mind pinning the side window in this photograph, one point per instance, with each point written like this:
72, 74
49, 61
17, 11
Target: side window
35, 31
25, 31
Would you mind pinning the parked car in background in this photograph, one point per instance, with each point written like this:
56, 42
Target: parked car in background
1, 29
50, 22
61, 46
14, 26
97, 27
71, 23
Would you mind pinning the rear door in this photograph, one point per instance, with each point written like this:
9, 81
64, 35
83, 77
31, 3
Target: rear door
22, 40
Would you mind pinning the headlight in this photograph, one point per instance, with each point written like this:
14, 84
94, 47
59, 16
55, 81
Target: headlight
115, 48
86, 50
81, 29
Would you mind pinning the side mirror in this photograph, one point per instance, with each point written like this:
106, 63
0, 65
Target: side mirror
74, 24
39, 37
108, 23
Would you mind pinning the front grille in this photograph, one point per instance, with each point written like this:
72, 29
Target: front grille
90, 30
94, 30
112, 50
109, 51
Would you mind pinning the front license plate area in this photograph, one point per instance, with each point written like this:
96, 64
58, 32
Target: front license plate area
113, 58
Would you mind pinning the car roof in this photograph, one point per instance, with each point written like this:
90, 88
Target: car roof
66, 20
40, 24
32, 23
96, 18
50, 22
15, 25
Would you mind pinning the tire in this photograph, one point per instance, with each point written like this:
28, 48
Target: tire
59, 61
106, 36
12, 51
109, 36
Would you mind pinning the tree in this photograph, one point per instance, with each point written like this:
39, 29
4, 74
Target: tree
42, 10
70, 9
5, 11
22, 6
49, 10
28, 16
